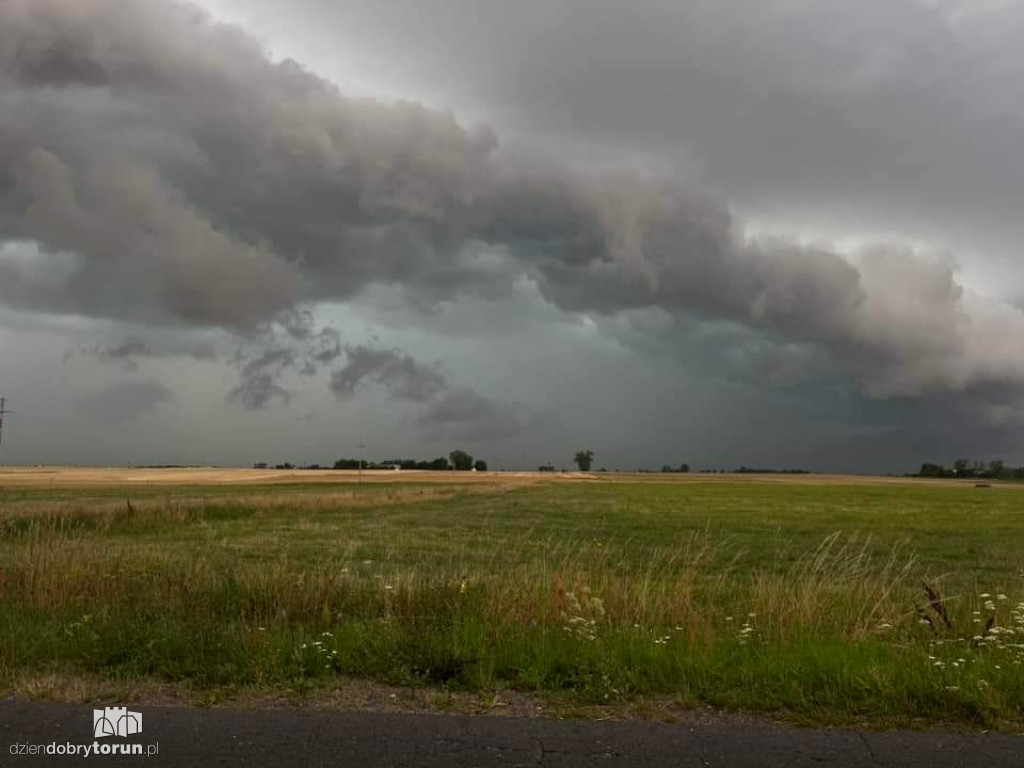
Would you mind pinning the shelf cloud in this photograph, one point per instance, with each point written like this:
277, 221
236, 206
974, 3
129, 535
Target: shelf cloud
163, 169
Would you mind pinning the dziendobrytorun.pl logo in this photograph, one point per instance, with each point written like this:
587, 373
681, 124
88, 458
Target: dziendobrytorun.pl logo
115, 721
110, 721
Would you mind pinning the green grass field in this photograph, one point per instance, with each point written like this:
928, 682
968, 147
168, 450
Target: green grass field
803, 601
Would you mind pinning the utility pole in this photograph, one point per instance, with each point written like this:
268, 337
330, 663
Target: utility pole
361, 447
3, 412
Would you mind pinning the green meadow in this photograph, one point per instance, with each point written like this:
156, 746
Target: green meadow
837, 602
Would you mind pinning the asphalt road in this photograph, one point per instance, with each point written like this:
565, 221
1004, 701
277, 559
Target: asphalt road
198, 737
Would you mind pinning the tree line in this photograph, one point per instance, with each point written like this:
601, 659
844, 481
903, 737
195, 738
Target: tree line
462, 461
457, 460
993, 470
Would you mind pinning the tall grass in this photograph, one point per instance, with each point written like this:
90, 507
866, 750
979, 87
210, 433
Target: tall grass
295, 590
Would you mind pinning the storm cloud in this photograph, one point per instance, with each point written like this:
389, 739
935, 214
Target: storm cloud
126, 400
258, 379
464, 414
444, 410
404, 377
212, 185
264, 357
125, 352
130, 350
160, 168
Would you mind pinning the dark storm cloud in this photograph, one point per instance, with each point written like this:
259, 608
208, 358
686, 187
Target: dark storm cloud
171, 172
404, 377
258, 379
129, 350
325, 346
125, 401
463, 413
126, 352
136, 234
445, 411
265, 356
878, 114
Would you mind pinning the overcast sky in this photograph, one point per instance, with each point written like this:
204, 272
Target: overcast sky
763, 232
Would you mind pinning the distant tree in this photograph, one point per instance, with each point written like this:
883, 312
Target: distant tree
684, 468
260, 465
962, 468
666, 469
584, 459
286, 465
545, 468
461, 460
480, 465
996, 469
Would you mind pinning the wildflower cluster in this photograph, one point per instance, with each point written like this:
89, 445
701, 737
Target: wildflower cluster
329, 658
582, 613
747, 630
1007, 637
997, 640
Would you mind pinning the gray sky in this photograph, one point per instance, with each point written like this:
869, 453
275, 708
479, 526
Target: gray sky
773, 233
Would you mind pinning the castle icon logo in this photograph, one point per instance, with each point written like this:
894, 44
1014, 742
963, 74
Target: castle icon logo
115, 721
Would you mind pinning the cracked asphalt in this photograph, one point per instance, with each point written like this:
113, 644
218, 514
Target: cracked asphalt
282, 737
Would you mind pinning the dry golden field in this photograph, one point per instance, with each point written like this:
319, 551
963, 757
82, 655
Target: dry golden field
71, 477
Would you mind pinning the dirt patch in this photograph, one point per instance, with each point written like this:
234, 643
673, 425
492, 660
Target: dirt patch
362, 696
